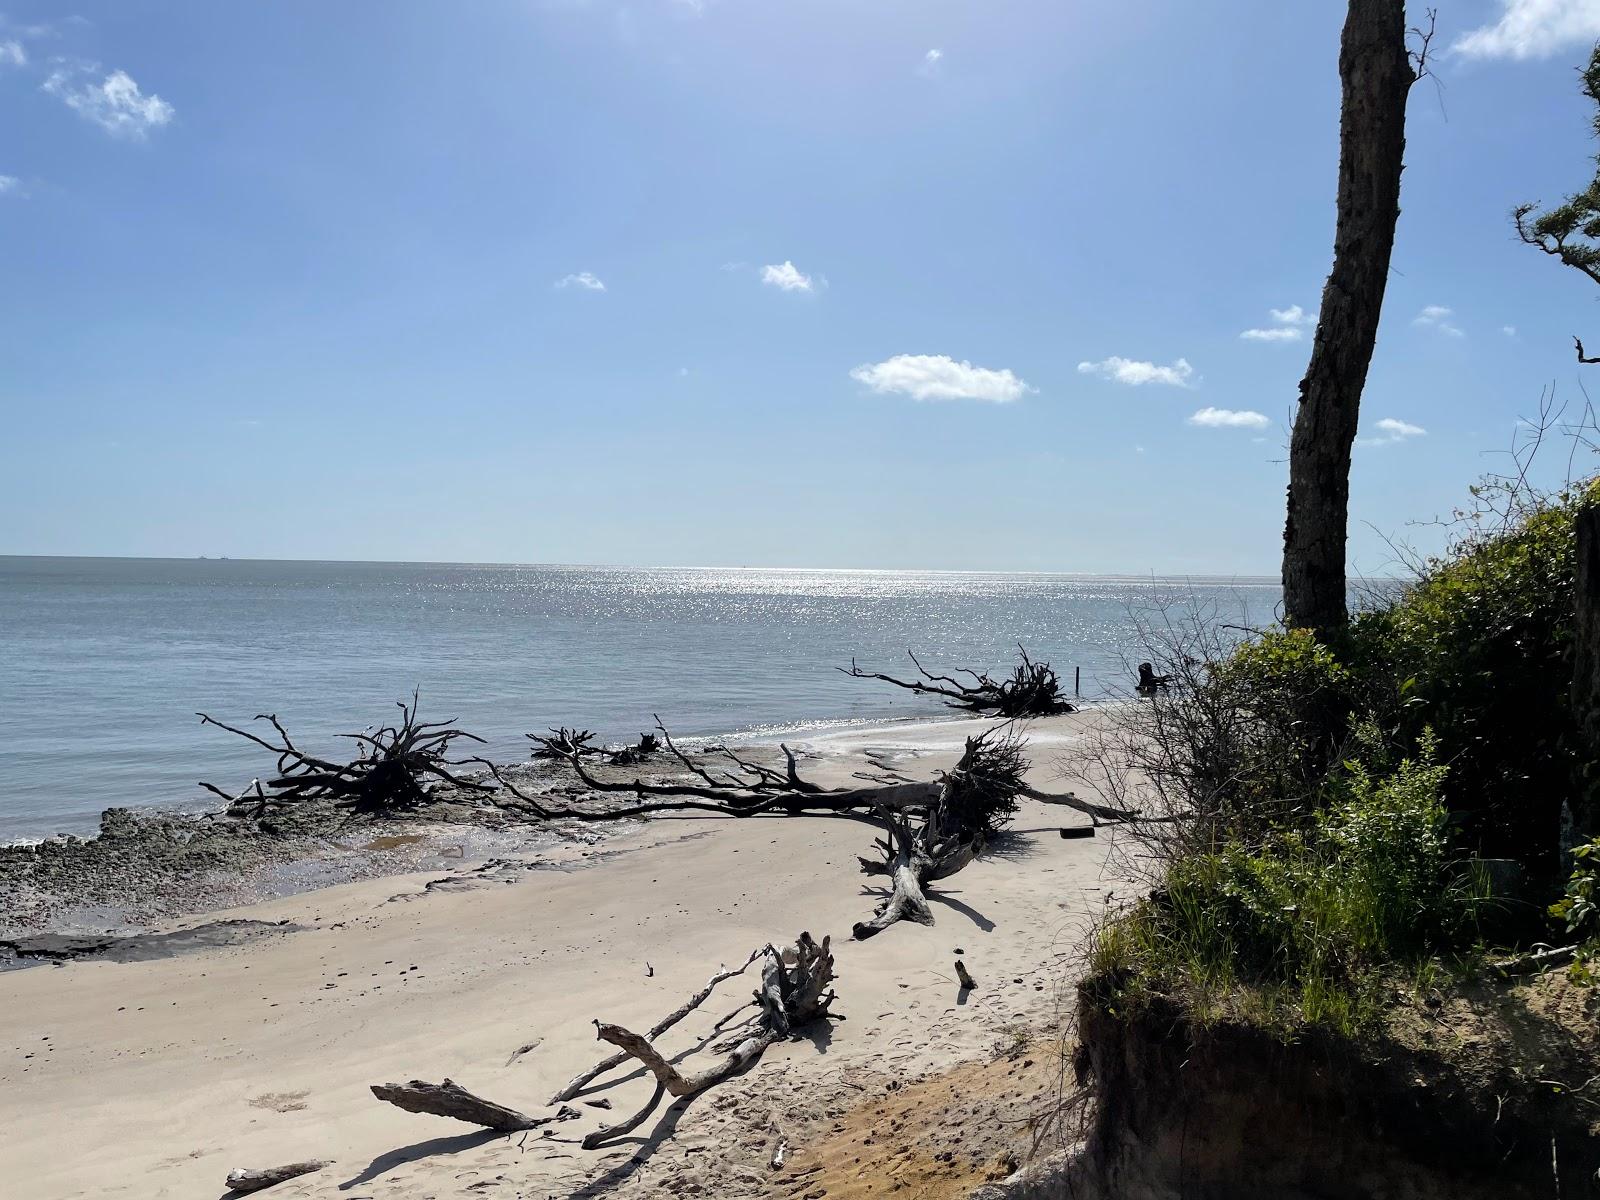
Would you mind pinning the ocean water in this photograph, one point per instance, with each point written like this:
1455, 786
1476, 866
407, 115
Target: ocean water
105, 662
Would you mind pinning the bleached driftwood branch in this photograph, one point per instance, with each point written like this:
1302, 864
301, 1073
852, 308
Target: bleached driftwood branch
796, 989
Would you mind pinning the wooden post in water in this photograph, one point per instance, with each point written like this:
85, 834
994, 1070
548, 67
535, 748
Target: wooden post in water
1077, 681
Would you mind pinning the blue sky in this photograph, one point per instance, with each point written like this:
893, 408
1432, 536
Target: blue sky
907, 283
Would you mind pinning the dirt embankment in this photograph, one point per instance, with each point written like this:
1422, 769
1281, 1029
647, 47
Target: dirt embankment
1485, 1093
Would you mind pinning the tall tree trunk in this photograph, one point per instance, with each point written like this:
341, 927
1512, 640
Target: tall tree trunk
1584, 808
1376, 76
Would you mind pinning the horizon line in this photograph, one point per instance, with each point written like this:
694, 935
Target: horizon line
1146, 574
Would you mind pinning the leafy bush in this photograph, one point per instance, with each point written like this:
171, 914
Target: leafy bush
1313, 802
1307, 919
1579, 908
1479, 649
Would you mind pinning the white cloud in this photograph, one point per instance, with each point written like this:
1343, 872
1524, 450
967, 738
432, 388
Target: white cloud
1287, 325
115, 103
1437, 316
1123, 370
10, 185
930, 62
12, 54
1509, 330
1227, 418
582, 279
940, 377
1391, 430
1533, 29
787, 277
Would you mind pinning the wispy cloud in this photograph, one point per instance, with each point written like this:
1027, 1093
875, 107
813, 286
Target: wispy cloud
12, 54
1533, 29
581, 279
1437, 316
929, 66
1288, 325
940, 377
787, 277
1228, 418
1392, 430
1133, 373
10, 185
115, 103
1509, 330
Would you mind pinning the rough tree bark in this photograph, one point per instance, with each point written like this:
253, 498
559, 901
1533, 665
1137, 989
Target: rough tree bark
1376, 74
1586, 672
450, 1099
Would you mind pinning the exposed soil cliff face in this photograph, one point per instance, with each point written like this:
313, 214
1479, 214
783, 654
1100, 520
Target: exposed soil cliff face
1458, 1104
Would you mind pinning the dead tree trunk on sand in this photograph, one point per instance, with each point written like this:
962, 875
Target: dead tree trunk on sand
450, 1099
245, 1180
1376, 73
975, 800
1032, 690
796, 989
395, 768
932, 829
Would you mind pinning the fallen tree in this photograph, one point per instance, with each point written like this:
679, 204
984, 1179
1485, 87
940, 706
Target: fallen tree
931, 828
975, 799
796, 990
563, 743
1032, 690
396, 767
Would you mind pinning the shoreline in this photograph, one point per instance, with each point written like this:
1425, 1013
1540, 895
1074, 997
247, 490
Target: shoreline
152, 1078
763, 734
145, 867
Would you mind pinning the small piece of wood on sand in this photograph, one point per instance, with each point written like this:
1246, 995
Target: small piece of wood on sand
244, 1181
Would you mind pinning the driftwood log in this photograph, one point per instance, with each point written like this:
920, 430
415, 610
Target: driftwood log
974, 800
1032, 690
796, 989
564, 743
243, 1180
450, 1099
667, 1022
396, 767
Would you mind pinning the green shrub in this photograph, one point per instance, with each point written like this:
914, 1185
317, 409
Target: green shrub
1303, 856
1579, 908
1305, 923
1479, 650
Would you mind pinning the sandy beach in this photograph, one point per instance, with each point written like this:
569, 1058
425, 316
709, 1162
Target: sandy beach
154, 1079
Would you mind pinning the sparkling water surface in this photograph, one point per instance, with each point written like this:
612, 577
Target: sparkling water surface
104, 662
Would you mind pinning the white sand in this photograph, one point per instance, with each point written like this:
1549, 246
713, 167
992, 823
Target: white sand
154, 1079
